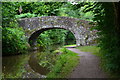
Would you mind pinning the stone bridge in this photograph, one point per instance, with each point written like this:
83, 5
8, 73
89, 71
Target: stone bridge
80, 28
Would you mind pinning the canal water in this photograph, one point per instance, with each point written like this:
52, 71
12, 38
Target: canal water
24, 65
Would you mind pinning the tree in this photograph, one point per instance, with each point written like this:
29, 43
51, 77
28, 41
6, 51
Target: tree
107, 17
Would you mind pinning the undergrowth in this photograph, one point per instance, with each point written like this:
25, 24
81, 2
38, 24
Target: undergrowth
61, 62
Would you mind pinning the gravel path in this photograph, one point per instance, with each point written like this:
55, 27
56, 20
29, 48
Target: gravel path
88, 66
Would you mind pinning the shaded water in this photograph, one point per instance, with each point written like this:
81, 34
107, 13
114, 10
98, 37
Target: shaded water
14, 65
34, 63
24, 66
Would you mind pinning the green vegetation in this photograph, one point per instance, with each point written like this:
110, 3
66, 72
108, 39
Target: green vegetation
109, 29
60, 62
46, 59
25, 15
34, 9
106, 15
13, 41
69, 45
48, 38
75, 10
64, 64
93, 49
70, 38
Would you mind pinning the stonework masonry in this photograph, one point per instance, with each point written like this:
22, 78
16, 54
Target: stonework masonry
80, 28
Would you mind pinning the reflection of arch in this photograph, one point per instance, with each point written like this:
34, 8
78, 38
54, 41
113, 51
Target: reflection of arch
80, 28
34, 35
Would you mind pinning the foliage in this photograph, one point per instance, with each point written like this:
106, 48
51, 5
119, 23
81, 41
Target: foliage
64, 64
60, 62
9, 10
70, 38
41, 8
36, 9
76, 11
109, 37
13, 41
25, 15
49, 37
105, 16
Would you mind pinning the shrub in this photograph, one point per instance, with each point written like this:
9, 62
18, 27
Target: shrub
13, 41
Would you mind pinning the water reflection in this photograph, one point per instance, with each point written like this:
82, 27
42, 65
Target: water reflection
24, 65
34, 64
14, 65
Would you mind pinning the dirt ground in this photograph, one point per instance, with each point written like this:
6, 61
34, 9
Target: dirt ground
88, 66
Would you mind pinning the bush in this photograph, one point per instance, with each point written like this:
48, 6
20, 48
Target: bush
13, 41
25, 15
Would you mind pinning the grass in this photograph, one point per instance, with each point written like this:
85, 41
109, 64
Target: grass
64, 64
93, 49
69, 45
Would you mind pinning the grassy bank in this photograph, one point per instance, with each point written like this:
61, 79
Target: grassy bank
60, 62
93, 49
64, 64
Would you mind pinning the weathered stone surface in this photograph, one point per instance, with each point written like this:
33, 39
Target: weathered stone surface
80, 28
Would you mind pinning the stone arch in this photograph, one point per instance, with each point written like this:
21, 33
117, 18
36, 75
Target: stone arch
80, 28
35, 34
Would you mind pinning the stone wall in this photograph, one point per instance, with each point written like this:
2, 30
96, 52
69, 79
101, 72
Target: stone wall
80, 28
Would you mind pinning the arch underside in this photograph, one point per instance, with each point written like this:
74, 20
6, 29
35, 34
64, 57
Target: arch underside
33, 37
